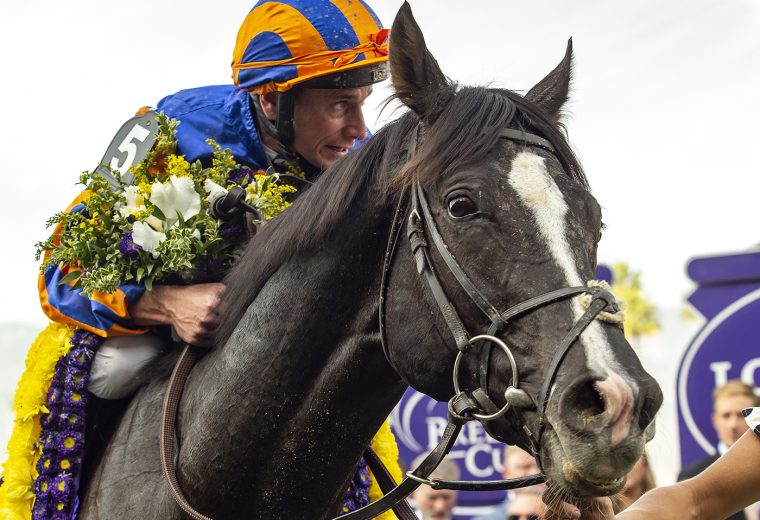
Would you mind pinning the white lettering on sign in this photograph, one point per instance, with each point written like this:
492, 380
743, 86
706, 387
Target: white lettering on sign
435, 428
480, 454
748, 371
747, 374
720, 369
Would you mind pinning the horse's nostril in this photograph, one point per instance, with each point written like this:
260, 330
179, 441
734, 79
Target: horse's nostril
589, 400
581, 405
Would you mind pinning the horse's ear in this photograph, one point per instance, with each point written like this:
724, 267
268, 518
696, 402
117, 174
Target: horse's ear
551, 92
415, 74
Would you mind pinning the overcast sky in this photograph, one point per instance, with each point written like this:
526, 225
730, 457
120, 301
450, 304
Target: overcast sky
664, 107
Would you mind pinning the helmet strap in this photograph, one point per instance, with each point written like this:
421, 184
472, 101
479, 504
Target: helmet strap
282, 130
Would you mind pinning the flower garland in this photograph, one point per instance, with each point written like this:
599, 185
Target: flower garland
30, 405
63, 429
384, 445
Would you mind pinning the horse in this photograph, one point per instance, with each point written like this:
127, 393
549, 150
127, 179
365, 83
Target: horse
275, 418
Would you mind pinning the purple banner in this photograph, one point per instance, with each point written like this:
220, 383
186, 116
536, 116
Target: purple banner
726, 347
418, 422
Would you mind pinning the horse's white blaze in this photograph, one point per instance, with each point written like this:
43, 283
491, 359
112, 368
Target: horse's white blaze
534, 185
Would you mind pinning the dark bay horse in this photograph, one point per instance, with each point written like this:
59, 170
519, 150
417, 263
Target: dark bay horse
274, 420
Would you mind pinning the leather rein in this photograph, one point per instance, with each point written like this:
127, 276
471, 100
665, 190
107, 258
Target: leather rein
464, 406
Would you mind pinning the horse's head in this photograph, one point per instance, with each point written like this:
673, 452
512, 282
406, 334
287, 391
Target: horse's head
491, 171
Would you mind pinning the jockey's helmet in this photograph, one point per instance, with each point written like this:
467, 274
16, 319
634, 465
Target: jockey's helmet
307, 44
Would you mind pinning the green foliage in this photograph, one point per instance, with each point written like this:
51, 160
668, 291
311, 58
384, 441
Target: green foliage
640, 313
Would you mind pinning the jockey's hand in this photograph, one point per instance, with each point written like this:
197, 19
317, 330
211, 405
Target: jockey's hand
591, 509
193, 310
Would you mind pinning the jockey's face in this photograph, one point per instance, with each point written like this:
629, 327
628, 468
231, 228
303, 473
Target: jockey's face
327, 123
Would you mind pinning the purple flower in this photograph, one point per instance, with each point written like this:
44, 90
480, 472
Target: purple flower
72, 420
41, 509
241, 176
81, 357
70, 443
42, 486
76, 378
69, 465
127, 246
62, 487
53, 395
74, 399
48, 440
85, 338
44, 464
357, 494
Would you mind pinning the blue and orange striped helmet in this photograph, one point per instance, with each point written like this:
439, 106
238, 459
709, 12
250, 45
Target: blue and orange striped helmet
315, 43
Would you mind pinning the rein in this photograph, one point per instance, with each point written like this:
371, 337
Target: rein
176, 385
464, 406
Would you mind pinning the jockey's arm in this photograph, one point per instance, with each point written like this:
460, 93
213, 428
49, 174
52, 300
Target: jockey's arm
191, 309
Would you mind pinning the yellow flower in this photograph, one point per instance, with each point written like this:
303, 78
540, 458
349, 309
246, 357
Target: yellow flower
272, 198
177, 165
384, 444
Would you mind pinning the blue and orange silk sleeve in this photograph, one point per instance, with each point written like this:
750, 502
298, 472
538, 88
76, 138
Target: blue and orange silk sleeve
104, 314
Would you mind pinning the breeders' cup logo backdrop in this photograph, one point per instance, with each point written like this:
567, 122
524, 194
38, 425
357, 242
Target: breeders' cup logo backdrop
727, 347
418, 422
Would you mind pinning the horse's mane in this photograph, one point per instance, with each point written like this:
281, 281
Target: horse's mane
464, 133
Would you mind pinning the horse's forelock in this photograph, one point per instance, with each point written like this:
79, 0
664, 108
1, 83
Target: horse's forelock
467, 130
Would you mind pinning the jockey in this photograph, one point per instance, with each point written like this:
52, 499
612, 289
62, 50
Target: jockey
302, 71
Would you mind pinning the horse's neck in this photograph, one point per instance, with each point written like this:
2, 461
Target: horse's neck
300, 388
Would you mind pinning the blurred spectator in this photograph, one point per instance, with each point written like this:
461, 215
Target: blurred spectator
728, 402
517, 463
640, 480
525, 506
436, 504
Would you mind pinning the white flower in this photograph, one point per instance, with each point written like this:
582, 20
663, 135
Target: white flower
144, 236
156, 223
214, 190
135, 202
176, 197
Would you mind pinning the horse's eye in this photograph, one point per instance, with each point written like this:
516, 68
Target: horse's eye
462, 206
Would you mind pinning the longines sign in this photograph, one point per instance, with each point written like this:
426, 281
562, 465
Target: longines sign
728, 296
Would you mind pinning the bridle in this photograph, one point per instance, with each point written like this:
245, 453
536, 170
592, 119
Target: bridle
465, 406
